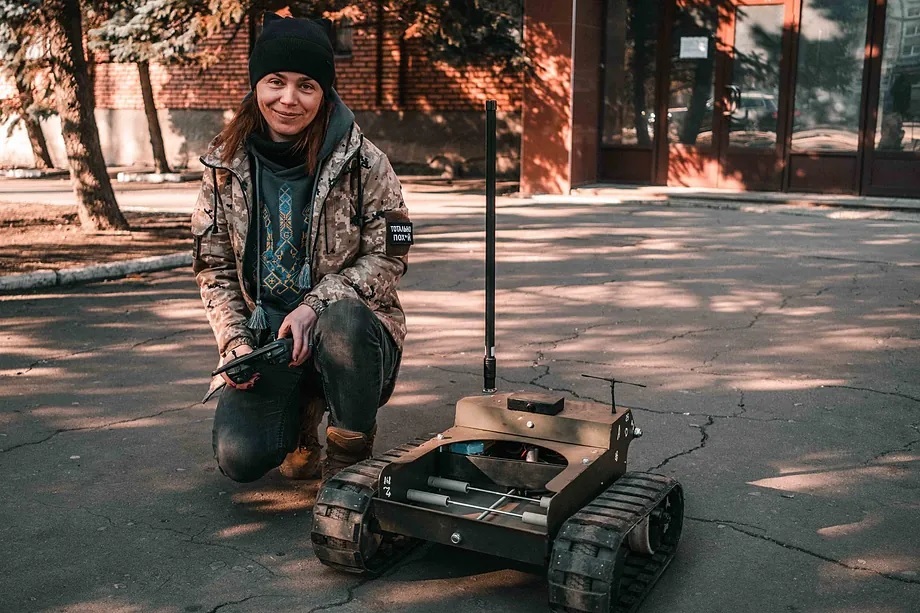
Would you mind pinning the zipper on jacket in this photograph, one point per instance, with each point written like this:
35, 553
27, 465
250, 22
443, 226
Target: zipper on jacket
239, 180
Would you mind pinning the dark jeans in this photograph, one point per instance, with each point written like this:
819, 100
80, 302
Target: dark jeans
354, 361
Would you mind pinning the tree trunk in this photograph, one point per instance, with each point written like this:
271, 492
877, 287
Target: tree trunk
153, 122
33, 128
96, 203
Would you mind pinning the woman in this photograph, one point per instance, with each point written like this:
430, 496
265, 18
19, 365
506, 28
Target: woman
295, 236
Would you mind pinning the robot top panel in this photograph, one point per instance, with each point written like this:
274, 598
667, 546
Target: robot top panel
581, 423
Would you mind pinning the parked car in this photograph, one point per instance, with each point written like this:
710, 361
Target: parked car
755, 111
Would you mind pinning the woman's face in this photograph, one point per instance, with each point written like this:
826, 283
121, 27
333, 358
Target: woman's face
288, 101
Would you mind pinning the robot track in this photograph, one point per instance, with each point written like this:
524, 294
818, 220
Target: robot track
609, 554
345, 535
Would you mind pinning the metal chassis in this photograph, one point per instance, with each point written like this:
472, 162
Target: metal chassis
589, 470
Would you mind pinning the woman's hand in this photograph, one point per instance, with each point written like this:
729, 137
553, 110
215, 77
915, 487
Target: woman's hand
299, 325
233, 354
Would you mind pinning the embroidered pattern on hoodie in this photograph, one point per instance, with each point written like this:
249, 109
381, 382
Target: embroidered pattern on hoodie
281, 258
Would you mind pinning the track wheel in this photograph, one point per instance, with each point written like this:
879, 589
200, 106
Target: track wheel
661, 526
588, 574
345, 535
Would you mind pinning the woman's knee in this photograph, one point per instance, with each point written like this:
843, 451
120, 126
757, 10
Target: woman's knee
345, 316
241, 457
343, 325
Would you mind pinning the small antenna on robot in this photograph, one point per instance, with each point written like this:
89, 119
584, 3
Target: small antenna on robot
613, 383
488, 361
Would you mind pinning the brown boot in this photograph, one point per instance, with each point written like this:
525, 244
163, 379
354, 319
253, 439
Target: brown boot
346, 447
304, 462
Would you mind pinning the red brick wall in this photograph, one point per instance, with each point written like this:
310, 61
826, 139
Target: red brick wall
356, 76
427, 85
436, 86
220, 86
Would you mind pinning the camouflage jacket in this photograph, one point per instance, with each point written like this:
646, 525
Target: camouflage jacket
350, 256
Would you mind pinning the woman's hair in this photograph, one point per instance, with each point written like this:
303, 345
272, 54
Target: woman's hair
248, 119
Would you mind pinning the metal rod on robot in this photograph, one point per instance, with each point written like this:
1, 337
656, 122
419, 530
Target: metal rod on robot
462, 487
493, 506
488, 361
445, 501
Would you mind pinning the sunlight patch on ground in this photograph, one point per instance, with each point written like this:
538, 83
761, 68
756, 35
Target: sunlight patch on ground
159, 348
111, 605
241, 529
186, 312
813, 311
24, 372
834, 577
850, 529
407, 397
278, 500
741, 301
663, 245
638, 294
768, 384
885, 563
833, 481
857, 339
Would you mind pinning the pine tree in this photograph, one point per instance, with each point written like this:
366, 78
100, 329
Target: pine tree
145, 31
20, 65
61, 25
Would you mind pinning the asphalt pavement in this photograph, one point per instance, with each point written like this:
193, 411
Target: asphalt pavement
780, 354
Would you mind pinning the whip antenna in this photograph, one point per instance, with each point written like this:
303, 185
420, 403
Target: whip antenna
488, 362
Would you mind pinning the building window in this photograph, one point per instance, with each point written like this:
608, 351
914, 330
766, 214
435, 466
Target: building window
832, 43
898, 127
342, 37
629, 73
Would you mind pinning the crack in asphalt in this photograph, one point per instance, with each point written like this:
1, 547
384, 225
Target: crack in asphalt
715, 329
349, 596
164, 337
874, 391
725, 521
769, 539
412, 558
230, 603
905, 447
185, 536
43, 361
535, 382
704, 436
742, 409
858, 261
64, 356
100, 427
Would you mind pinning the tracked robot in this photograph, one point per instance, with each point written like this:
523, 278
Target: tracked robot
533, 477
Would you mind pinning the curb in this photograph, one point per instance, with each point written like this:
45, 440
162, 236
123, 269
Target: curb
157, 177
829, 210
34, 173
95, 272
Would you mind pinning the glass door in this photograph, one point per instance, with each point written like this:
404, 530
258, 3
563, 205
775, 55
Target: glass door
693, 111
751, 149
726, 71
892, 143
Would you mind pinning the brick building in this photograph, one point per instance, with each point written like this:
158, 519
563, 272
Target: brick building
772, 95
415, 109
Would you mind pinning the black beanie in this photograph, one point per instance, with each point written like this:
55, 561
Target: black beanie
287, 44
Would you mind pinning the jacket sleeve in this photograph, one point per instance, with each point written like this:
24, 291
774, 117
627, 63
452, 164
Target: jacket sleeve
215, 270
373, 275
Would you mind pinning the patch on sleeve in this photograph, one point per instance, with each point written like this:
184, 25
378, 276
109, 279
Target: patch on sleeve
399, 233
